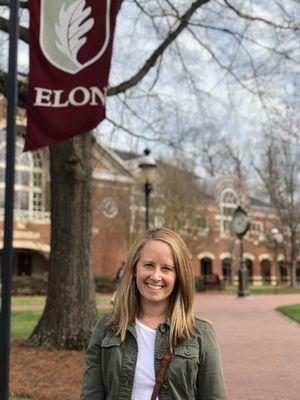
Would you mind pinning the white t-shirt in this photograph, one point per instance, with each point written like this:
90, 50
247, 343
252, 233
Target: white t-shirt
144, 378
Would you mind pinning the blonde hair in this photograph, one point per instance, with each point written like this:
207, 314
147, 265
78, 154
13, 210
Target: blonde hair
180, 310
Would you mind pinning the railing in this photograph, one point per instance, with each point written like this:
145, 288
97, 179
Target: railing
29, 215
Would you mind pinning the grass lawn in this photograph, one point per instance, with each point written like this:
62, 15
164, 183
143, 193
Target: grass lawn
267, 289
23, 322
101, 298
292, 311
19, 398
28, 300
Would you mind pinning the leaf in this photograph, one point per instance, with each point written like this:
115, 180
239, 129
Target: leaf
71, 28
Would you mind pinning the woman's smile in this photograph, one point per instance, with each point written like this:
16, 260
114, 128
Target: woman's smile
154, 287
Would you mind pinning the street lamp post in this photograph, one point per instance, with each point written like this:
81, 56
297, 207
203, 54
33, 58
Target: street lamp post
241, 224
148, 168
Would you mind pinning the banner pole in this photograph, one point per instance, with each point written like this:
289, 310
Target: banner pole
7, 259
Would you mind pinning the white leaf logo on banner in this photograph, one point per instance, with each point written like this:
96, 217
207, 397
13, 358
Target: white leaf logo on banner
71, 29
69, 26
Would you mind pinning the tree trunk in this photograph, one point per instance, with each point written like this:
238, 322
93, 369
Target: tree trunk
70, 310
293, 274
293, 263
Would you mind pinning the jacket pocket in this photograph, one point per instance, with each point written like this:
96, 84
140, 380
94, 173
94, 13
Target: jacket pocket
187, 351
111, 358
184, 369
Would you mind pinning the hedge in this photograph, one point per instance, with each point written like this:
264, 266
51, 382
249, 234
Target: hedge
104, 283
36, 284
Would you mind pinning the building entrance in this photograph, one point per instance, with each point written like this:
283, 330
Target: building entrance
24, 266
206, 266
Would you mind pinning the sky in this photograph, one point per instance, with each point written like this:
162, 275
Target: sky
233, 74
228, 101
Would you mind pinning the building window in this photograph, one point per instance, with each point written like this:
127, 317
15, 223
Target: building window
28, 195
256, 226
228, 204
206, 266
249, 265
37, 201
226, 269
200, 221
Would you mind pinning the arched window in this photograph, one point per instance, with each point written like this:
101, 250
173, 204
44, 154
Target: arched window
283, 271
206, 267
228, 204
28, 196
298, 271
249, 265
226, 268
266, 271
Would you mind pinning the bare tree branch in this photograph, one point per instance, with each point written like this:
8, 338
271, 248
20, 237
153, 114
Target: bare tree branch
131, 132
6, 3
23, 32
133, 81
259, 19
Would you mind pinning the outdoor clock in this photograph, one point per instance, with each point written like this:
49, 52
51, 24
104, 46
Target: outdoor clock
240, 222
109, 207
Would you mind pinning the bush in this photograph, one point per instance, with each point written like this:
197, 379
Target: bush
39, 283
31, 285
104, 283
36, 284
199, 285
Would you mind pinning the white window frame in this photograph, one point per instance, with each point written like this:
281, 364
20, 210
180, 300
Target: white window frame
35, 167
222, 217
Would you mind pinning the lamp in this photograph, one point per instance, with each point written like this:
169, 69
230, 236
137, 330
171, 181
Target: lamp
148, 170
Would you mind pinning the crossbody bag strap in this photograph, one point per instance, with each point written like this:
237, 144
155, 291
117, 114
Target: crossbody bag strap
161, 373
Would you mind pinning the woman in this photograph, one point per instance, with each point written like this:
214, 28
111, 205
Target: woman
152, 320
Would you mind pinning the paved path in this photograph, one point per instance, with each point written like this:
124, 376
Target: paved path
260, 347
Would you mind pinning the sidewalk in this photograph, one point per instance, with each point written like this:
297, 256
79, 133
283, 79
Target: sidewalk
260, 347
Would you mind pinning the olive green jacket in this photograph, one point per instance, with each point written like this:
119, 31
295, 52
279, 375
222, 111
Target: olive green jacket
194, 372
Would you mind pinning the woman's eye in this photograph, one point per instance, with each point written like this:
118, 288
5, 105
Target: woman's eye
149, 265
167, 269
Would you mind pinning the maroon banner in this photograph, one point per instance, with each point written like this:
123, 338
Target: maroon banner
70, 56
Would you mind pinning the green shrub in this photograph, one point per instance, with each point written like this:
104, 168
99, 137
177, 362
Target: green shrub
199, 283
31, 285
104, 283
39, 283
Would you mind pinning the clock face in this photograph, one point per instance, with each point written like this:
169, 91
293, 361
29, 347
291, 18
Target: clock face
240, 223
109, 207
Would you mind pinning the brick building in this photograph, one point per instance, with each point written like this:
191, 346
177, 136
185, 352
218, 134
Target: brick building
118, 216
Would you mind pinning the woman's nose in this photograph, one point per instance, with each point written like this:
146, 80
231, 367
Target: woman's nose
156, 273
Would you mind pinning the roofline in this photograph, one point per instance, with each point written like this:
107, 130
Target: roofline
113, 155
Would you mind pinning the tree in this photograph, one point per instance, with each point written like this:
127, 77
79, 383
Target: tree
70, 309
220, 155
279, 171
178, 194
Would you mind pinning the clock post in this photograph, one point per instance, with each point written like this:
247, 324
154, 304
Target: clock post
241, 225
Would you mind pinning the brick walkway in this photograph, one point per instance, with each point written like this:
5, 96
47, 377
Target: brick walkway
260, 347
